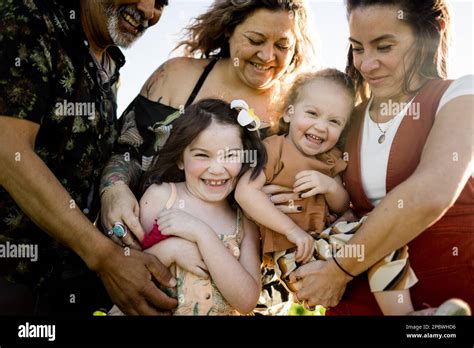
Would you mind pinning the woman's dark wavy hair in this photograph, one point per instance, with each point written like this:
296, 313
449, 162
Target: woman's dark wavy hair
196, 118
209, 34
431, 42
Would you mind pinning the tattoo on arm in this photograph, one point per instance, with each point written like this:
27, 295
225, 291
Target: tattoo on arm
156, 79
119, 169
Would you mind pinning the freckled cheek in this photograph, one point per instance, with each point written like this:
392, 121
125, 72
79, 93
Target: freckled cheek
194, 169
233, 169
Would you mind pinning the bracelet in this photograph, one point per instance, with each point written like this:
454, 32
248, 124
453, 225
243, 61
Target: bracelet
342, 269
107, 188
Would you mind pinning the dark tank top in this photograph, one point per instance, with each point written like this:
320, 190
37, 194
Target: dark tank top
142, 114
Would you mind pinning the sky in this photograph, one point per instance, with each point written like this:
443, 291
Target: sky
328, 24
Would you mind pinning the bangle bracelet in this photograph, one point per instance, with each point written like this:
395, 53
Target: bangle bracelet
342, 269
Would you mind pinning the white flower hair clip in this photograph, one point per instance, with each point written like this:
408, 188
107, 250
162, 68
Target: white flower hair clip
246, 114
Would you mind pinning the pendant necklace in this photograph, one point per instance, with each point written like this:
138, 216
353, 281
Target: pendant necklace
382, 137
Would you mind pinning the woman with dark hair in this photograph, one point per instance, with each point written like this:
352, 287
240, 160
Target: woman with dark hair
409, 160
247, 50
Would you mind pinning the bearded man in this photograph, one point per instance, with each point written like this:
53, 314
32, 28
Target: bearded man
59, 66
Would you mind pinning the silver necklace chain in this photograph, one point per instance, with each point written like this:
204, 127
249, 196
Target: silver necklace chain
382, 137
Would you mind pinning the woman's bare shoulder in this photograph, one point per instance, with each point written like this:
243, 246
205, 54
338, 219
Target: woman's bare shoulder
173, 81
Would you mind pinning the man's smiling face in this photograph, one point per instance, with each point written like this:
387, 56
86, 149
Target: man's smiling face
127, 20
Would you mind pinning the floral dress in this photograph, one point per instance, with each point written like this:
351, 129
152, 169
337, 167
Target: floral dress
198, 296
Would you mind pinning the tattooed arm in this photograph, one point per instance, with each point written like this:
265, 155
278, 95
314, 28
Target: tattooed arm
118, 203
173, 82
123, 172
120, 170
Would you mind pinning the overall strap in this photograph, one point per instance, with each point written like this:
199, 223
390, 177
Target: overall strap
410, 138
200, 82
352, 176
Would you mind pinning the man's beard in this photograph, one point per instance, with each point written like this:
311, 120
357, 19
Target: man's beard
119, 35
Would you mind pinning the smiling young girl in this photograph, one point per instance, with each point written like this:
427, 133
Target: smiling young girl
190, 198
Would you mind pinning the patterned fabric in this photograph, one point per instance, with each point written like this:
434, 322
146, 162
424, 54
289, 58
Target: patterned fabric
284, 162
393, 272
145, 127
198, 296
47, 77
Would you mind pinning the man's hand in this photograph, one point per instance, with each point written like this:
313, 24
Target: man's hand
129, 277
118, 204
322, 283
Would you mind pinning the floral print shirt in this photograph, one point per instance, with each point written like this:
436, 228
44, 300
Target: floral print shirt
48, 76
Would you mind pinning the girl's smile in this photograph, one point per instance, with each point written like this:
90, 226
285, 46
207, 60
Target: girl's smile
209, 176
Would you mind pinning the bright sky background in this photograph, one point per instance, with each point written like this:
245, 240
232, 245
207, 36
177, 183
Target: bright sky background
327, 22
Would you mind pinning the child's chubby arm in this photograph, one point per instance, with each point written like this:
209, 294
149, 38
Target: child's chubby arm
258, 206
172, 250
314, 182
237, 279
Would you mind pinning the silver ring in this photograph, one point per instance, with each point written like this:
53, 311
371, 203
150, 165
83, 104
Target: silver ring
120, 230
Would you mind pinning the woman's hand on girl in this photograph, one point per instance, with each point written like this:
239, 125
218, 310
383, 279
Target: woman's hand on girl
313, 183
283, 198
178, 223
304, 244
322, 283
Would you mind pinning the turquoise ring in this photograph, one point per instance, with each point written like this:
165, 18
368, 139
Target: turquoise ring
120, 230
